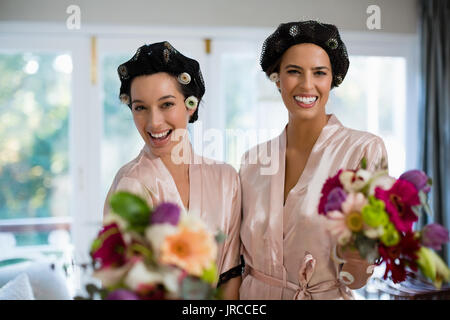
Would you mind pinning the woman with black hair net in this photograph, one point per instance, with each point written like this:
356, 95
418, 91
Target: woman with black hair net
163, 90
287, 249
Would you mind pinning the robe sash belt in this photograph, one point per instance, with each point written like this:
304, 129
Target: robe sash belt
303, 291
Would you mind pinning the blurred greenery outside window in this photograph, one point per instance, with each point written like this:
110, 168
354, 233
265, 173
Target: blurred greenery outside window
121, 141
35, 95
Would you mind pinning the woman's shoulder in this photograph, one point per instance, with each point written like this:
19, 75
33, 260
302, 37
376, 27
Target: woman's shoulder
359, 137
130, 170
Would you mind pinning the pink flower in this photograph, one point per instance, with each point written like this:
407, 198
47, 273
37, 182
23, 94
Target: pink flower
398, 200
341, 224
109, 247
329, 185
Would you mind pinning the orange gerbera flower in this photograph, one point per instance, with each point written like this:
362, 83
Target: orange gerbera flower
191, 250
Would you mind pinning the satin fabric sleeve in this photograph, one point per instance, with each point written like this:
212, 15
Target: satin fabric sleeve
132, 185
376, 154
232, 244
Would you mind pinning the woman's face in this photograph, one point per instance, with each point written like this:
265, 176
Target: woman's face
305, 80
158, 110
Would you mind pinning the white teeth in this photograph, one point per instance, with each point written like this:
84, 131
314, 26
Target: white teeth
307, 100
159, 135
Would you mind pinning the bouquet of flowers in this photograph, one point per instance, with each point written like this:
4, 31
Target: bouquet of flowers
148, 254
374, 213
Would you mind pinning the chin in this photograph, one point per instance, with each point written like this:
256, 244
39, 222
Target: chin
302, 115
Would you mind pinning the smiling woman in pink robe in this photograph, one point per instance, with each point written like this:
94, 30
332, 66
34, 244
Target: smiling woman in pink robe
280, 240
288, 250
163, 89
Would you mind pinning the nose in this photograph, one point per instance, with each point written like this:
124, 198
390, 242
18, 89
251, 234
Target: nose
307, 81
156, 119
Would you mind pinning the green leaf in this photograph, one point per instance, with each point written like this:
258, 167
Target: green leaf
143, 250
210, 275
91, 289
131, 208
220, 237
366, 247
195, 289
364, 163
96, 244
416, 210
424, 201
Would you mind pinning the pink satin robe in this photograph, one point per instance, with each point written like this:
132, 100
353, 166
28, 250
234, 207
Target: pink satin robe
215, 194
291, 240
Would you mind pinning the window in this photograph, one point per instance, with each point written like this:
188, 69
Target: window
121, 141
35, 95
372, 98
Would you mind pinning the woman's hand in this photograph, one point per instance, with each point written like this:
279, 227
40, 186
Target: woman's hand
358, 267
230, 289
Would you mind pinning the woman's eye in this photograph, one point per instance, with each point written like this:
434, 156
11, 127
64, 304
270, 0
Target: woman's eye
166, 105
320, 73
139, 108
293, 71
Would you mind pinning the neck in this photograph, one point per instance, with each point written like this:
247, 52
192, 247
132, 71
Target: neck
302, 134
179, 164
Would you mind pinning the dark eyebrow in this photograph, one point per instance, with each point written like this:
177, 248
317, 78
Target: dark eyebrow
300, 68
162, 98
137, 100
166, 97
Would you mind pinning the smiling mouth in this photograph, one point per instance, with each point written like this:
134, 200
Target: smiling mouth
160, 136
306, 100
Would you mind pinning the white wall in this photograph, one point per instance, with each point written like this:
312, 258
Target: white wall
397, 16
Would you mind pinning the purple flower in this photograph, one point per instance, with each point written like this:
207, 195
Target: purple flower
166, 212
418, 178
122, 294
434, 236
335, 199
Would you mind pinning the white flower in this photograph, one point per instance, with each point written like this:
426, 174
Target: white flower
184, 78
354, 181
111, 276
192, 221
124, 98
374, 233
274, 77
170, 278
157, 233
191, 102
140, 274
381, 179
